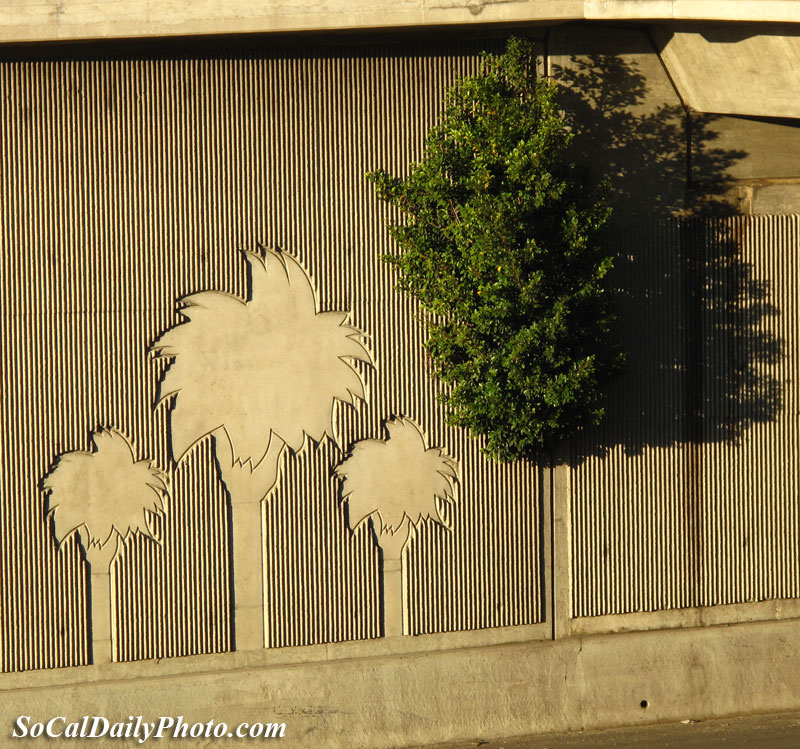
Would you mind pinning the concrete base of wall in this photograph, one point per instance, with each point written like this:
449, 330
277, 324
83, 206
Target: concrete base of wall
338, 698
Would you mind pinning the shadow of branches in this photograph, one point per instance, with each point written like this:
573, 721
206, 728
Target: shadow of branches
692, 313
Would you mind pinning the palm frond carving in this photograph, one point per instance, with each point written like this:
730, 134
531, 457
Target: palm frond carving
270, 365
397, 479
104, 495
399, 482
108, 491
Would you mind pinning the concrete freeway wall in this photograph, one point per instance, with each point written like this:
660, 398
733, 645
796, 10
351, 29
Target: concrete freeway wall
130, 184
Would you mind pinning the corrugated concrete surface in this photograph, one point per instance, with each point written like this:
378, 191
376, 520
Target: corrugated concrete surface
129, 185
684, 496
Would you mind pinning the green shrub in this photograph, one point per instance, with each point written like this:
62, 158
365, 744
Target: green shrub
499, 244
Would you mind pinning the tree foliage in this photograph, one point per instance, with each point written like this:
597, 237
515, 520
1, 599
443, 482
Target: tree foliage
499, 243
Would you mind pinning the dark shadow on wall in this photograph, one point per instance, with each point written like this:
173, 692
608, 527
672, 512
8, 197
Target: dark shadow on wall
643, 148
692, 313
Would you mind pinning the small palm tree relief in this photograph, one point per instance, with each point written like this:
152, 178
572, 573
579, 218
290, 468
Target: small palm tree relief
105, 496
397, 482
258, 375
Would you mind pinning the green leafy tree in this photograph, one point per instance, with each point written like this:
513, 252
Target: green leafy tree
499, 243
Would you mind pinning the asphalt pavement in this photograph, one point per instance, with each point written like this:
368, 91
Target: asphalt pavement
781, 731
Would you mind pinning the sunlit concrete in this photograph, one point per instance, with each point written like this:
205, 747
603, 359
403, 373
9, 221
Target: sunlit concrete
24, 20
749, 69
334, 696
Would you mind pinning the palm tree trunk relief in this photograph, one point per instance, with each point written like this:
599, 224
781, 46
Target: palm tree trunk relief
259, 375
395, 596
103, 609
247, 486
104, 496
397, 482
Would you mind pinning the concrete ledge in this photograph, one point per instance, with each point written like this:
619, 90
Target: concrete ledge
725, 69
51, 20
772, 199
778, 11
397, 700
698, 616
78, 19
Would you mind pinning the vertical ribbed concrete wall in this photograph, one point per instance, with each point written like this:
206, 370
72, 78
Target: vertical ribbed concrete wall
687, 495
125, 186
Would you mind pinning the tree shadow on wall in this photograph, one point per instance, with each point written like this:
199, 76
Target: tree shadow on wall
693, 315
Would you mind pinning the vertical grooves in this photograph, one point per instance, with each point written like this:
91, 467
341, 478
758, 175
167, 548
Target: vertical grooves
129, 184
671, 504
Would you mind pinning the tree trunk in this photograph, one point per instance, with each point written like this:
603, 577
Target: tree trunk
395, 614
103, 604
247, 487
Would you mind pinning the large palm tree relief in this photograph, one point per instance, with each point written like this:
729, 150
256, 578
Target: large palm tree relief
258, 375
105, 496
397, 482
